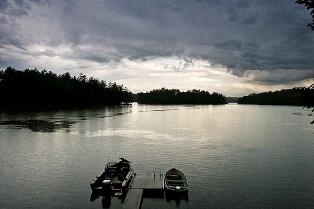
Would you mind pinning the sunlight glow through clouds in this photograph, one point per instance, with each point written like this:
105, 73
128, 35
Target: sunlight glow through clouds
174, 72
152, 44
145, 74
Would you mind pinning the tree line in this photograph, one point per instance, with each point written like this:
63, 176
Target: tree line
175, 96
33, 88
300, 96
309, 5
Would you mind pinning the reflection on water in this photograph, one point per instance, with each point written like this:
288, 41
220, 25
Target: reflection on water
177, 198
127, 134
54, 120
234, 156
37, 125
105, 200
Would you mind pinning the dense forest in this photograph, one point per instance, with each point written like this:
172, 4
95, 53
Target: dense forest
232, 99
33, 88
297, 96
175, 96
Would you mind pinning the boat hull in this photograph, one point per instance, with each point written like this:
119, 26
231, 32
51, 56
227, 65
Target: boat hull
175, 182
115, 180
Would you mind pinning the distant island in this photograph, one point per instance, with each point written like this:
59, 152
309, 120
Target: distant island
35, 89
300, 96
175, 96
232, 99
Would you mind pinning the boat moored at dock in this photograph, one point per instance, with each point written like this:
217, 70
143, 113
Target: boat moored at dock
119, 179
175, 181
115, 180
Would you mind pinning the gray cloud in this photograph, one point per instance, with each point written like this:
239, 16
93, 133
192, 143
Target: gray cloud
248, 37
280, 76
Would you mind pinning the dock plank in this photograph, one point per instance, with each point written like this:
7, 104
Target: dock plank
133, 199
147, 182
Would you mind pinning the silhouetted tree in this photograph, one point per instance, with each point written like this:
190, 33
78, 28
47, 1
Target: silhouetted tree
309, 4
175, 96
297, 96
310, 104
32, 88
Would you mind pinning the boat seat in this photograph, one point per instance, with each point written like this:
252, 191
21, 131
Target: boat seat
112, 168
174, 177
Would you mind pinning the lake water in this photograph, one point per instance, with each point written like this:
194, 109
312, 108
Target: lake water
234, 156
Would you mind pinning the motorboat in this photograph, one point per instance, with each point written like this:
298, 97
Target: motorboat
115, 180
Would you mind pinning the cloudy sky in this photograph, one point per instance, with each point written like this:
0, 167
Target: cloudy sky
234, 47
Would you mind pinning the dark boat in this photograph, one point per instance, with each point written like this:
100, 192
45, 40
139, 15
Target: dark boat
175, 181
115, 180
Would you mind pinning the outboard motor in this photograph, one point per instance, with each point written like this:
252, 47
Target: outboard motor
106, 188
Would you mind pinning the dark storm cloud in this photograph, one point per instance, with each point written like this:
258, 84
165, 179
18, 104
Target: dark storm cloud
19, 7
10, 10
248, 37
274, 77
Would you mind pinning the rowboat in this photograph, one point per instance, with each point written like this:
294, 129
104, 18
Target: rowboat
175, 181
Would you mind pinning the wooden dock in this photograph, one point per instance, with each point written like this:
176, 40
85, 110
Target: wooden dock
133, 199
143, 186
147, 182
